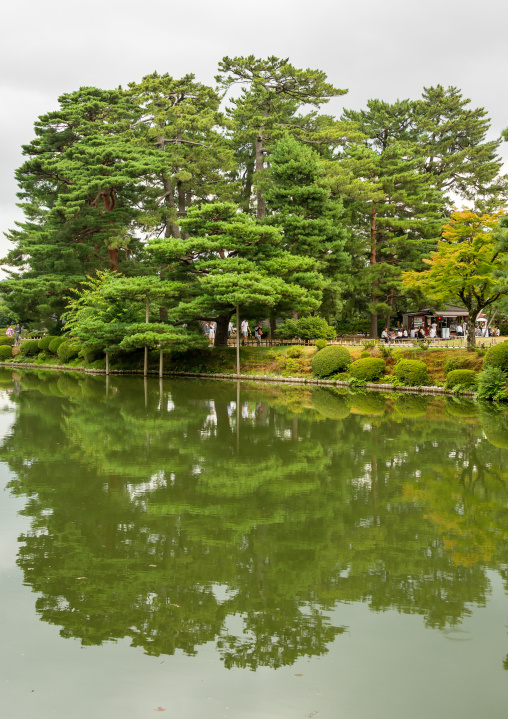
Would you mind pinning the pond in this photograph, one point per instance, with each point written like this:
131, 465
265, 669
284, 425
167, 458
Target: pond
216, 549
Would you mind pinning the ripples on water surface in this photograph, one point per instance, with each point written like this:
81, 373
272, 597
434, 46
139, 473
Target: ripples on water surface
223, 550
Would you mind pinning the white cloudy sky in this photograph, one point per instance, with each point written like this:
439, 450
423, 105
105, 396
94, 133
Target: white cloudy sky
388, 50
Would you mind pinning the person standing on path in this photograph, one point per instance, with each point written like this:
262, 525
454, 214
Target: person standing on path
258, 333
245, 331
17, 333
211, 333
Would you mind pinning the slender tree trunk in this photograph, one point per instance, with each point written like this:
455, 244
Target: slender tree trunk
221, 335
260, 163
273, 326
247, 188
471, 324
172, 227
389, 313
373, 261
109, 200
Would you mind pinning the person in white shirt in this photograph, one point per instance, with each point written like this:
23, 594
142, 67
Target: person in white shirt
245, 331
460, 331
384, 335
230, 328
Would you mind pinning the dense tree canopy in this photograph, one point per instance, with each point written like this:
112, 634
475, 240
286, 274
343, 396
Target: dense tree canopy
359, 199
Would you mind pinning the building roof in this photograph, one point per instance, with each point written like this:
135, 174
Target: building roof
448, 311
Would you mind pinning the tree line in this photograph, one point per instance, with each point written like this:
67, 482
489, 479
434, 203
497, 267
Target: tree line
175, 202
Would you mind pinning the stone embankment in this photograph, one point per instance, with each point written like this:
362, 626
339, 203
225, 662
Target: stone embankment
243, 377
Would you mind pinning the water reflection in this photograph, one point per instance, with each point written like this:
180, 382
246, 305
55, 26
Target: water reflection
183, 512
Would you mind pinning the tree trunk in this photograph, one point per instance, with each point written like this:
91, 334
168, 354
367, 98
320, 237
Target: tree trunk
471, 324
389, 313
113, 258
221, 335
260, 163
172, 228
109, 200
273, 326
373, 231
247, 188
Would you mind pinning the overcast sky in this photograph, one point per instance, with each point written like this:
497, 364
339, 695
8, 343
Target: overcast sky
385, 50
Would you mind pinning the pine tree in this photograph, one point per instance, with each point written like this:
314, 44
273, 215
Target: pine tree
80, 191
227, 259
273, 91
311, 222
461, 161
396, 206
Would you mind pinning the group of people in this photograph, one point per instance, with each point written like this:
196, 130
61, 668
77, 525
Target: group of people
394, 335
210, 329
14, 332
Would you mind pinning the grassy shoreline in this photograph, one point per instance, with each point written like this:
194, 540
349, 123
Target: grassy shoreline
260, 363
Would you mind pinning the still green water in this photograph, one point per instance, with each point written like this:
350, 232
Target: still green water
221, 550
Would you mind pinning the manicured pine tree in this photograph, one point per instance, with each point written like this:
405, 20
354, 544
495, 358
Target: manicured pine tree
226, 258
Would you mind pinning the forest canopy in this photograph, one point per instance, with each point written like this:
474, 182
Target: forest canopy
192, 200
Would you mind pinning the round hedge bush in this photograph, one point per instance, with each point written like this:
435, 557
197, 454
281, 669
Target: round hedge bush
465, 377
55, 344
4, 340
44, 342
460, 362
330, 360
29, 348
411, 373
368, 368
320, 344
497, 356
5, 352
68, 350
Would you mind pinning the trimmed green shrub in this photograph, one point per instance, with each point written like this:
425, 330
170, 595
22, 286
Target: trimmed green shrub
44, 342
55, 344
368, 369
330, 404
461, 362
29, 348
294, 352
497, 356
320, 344
68, 350
466, 378
306, 328
364, 355
4, 340
411, 373
330, 360
5, 353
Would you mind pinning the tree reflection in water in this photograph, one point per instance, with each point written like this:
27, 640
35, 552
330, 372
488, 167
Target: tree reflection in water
183, 512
